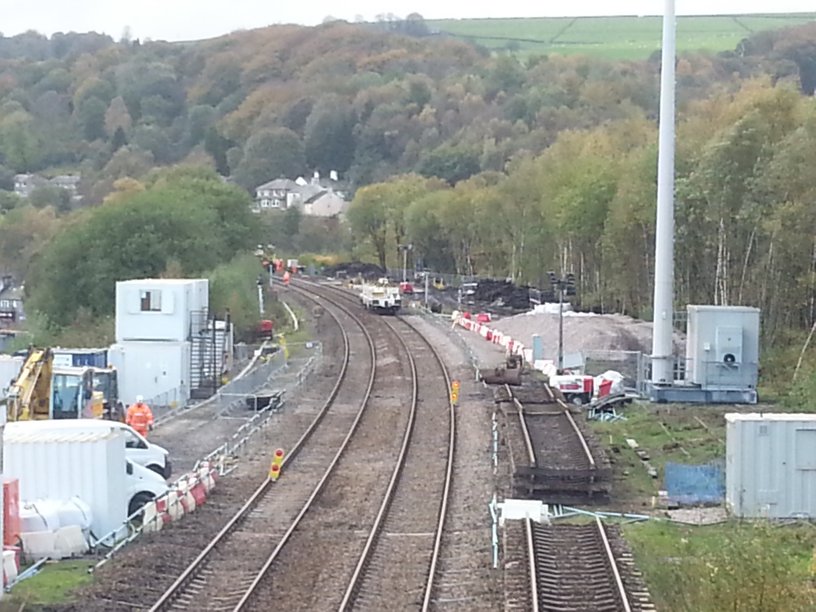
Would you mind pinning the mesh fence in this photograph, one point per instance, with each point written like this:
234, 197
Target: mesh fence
695, 484
631, 364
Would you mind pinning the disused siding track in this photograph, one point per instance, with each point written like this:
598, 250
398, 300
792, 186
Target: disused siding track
554, 456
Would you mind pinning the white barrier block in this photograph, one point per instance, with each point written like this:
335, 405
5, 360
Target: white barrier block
151, 519
69, 541
515, 509
38, 544
10, 569
174, 508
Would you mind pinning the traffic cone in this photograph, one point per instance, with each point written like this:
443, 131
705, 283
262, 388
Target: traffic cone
274, 471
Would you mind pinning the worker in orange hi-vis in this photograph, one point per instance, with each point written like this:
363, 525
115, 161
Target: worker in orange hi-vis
140, 416
286, 278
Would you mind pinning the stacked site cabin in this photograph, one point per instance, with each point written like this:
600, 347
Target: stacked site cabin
158, 324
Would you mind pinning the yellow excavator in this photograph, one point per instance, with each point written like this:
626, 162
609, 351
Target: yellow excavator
29, 396
42, 391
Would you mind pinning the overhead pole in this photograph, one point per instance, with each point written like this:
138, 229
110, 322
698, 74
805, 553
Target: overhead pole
662, 346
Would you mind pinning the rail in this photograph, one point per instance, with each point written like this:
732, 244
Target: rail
365, 556
197, 564
262, 573
581, 439
532, 565
355, 582
613, 564
526, 432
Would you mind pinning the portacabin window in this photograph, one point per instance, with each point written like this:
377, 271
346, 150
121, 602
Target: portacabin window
150, 301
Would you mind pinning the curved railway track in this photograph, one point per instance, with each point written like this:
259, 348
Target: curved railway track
254, 559
582, 567
217, 576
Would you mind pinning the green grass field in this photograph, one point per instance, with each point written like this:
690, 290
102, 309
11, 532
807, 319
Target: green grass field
632, 38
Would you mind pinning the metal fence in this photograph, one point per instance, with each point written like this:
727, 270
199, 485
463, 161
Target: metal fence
221, 458
695, 484
633, 365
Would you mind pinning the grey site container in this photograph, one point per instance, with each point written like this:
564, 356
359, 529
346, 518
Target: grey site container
770, 467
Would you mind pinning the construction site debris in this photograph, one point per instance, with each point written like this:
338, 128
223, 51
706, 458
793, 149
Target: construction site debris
353, 269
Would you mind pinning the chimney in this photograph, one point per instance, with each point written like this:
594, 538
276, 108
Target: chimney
316, 178
333, 175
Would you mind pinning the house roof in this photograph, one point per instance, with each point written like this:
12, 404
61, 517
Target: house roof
12, 293
279, 183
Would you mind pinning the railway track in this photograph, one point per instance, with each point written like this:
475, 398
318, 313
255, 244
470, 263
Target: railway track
556, 457
217, 577
582, 567
238, 571
397, 566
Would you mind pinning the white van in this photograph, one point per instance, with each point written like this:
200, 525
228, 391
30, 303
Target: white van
143, 485
137, 448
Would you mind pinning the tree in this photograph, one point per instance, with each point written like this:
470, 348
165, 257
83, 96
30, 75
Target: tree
217, 145
368, 218
60, 199
24, 231
270, 154
291, 221
19, 141
119, 139
451, 164
185, 214
329, 136
117, 117
91, 117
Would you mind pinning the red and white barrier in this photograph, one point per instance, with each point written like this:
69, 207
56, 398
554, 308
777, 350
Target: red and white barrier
477, 325
188, 493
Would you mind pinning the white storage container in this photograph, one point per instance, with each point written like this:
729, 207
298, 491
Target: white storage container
151, 369
159, 309
9, 369
61, 466
771, 465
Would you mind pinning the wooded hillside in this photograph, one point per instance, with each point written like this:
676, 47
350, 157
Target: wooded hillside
365, 102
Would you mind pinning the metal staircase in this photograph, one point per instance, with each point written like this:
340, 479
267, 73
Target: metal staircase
207, 346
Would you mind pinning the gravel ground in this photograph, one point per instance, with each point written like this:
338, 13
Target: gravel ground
338, 523
397, 574
583, 332
466, 579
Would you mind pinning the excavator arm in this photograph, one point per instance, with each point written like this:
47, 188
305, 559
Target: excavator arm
29, 396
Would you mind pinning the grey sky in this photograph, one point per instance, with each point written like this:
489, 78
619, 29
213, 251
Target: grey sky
193, 19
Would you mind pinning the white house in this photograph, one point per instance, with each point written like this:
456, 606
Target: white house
318, 197
325, 204
279, 194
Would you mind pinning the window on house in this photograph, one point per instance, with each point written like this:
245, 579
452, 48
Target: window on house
150, 301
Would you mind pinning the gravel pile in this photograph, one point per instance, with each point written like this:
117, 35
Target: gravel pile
583, 332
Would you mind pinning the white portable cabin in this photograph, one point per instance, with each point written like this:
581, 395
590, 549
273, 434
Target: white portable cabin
152, 369
770, 466
159, 308
61, 465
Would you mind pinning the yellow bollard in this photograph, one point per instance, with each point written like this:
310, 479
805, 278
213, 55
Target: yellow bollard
274, 471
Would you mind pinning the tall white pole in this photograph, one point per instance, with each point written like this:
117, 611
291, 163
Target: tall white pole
662, 358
